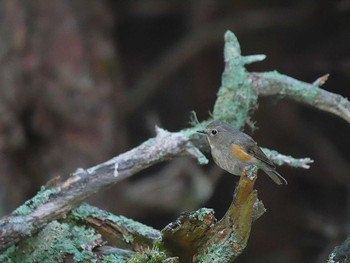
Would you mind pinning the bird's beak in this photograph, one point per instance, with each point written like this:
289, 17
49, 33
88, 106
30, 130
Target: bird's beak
202, 131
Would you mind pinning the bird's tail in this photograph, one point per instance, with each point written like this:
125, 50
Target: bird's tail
275, 176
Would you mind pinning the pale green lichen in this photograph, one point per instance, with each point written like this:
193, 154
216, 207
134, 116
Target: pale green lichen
341, 253
294, 88
236, 98
193, 131
20, 222
331, 258
225, 252
134, 227
40, 198
251, 171
280, 159
253, 58
202, 213
52, 244
7, 255
203, 160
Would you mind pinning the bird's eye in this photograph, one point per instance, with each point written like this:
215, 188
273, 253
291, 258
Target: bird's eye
214, 132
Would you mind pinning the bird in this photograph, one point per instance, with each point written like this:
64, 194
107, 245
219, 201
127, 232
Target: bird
233, 150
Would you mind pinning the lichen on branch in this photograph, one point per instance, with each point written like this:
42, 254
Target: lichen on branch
235, 99
194, 236
276, 84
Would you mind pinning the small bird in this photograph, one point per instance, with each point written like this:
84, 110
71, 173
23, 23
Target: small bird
233, 150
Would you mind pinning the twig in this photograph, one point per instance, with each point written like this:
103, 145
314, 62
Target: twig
281, 159
321, 80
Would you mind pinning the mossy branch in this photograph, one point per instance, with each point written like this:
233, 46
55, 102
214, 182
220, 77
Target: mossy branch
276, 84
240, 89
237, 99
87, 233
55, 202
228, 238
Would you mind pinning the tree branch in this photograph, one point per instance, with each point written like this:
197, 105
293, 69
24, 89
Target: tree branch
274, 83
229, 237
197, 237
53, 203
237, 97
281, 159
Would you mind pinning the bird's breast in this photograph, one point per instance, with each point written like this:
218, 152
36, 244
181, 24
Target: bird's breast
224, 158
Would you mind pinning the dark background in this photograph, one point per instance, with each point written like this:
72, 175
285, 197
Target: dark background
82, 81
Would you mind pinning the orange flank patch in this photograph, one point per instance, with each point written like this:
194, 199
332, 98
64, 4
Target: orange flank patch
240, 153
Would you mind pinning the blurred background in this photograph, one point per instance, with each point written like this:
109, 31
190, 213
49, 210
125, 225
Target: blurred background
82, 81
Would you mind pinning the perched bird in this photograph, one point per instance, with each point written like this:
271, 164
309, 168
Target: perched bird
233, 150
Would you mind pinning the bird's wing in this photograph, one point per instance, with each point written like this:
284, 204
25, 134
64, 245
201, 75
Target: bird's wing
260, 155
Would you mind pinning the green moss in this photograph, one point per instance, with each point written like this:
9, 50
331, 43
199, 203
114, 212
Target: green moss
41, 197
52, 244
